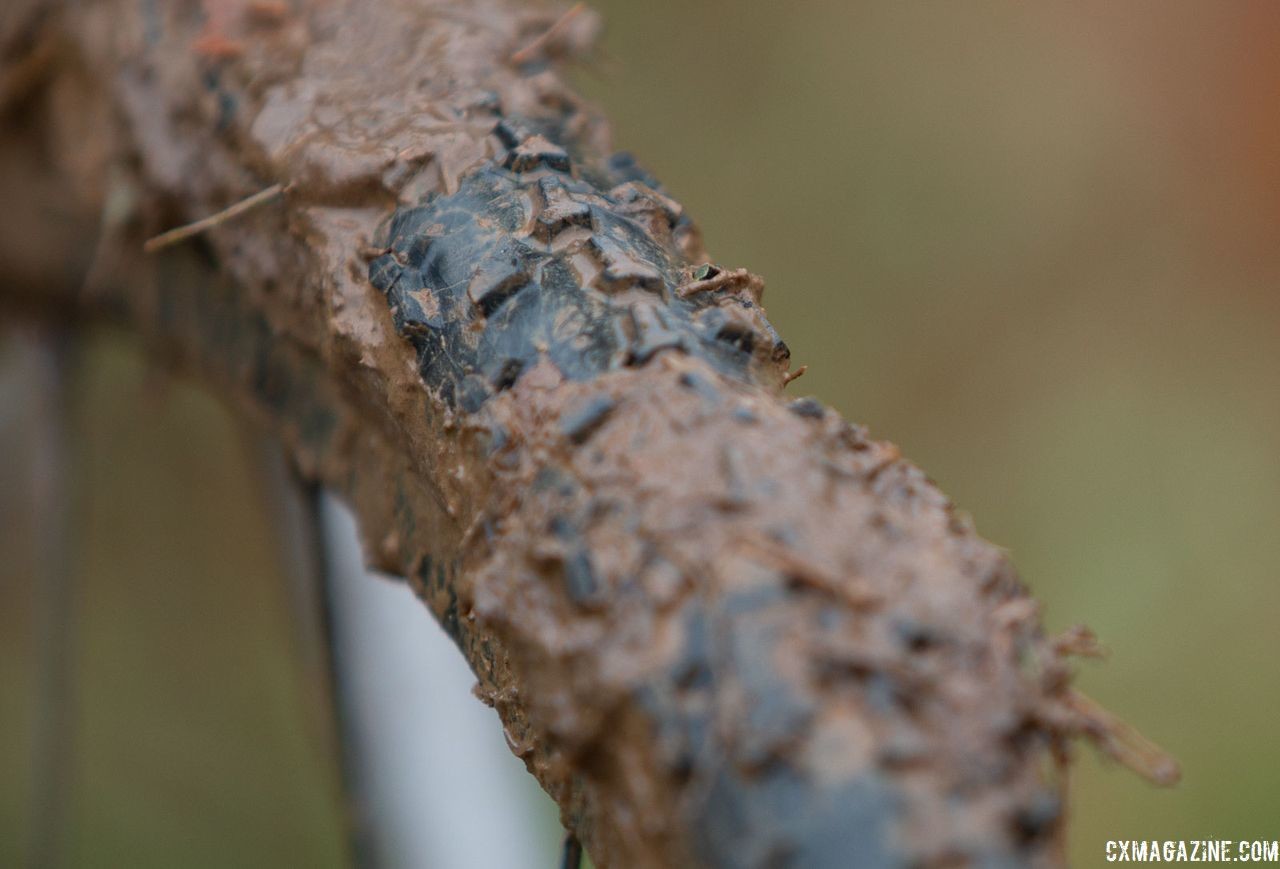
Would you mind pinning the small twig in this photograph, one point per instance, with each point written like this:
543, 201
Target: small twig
1079, 642
794, 375
531, 50
806, 573
181, 233
1124, 744
735, 281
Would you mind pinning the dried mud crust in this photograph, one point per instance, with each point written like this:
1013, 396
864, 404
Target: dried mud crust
531, 258
789, 638
805, 664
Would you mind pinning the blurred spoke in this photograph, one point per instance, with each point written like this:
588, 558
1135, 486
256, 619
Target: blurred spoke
51, 360
427, 776
571, 857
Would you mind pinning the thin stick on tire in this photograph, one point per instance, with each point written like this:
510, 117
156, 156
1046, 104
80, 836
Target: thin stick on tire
720, 627
231, 212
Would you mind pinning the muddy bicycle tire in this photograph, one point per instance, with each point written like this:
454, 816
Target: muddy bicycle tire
722, 627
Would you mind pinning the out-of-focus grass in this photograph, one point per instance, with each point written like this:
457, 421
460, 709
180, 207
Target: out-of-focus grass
1032, 243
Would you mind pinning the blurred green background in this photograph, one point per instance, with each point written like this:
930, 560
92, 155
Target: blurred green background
1034, 244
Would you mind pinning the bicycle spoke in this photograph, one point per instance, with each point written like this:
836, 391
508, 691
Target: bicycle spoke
52, 359
571, 856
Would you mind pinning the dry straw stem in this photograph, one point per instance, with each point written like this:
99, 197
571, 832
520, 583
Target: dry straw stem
535, 47
190, 230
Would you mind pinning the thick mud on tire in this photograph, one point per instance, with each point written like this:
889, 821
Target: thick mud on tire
723, 628
530, 256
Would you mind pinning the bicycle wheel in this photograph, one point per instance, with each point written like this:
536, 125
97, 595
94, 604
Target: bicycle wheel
721, 627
